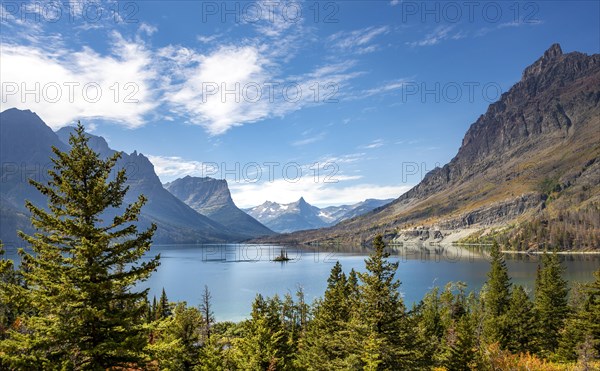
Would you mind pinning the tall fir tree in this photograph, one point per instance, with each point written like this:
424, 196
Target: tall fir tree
520, 322
263, 345
550, 303
163, 308
496, 298
325, 344
592, 312
381, 315
82, 273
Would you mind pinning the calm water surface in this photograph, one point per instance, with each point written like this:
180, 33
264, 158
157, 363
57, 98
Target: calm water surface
236, 273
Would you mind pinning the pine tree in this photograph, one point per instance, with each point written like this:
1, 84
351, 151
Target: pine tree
462, 350
381, 313
496, 298
163, 308
81, 277
325, 342
592, 312
520, 321
263, 345
550, 303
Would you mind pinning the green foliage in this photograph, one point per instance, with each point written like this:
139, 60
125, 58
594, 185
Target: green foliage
496, 298
380, 314
176, 339
85, 312
550, 303
520, 323
324, 345
71, 305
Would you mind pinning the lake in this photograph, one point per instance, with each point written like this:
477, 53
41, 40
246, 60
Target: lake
236, 273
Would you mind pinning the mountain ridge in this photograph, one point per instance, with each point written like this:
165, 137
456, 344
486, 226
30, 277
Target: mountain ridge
25, 151
301, 215
544, 129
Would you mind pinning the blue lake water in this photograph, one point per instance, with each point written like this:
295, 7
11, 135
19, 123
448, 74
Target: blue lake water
236, 273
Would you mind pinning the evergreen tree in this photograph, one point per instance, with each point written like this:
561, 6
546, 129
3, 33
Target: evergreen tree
550, 303
462, 347
263, 345
324, 345
496, 298
163, 308
430, 327
591, 315
520, 322
381, 314
176, 339
86, 313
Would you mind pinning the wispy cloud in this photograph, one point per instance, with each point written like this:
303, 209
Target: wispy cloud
438, 35
358, 41
386, 87
374, 144
309, 139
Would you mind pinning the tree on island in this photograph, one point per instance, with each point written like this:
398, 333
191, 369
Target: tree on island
84, 311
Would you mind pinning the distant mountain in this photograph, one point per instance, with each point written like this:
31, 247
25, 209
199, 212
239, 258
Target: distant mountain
527, 171
283, 218
300, 215
25, 151
335, 214
211, 197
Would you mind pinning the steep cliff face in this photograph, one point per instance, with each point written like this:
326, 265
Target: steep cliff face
211, 197
544, 130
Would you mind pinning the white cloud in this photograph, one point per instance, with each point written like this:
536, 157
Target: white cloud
67, 85
169, 168
204, 96
237, 85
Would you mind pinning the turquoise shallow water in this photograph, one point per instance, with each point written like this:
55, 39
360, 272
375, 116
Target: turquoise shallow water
236, 273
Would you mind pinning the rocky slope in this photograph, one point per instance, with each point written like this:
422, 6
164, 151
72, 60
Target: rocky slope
535, 151
211, 197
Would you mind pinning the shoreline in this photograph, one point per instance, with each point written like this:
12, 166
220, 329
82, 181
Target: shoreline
550, 252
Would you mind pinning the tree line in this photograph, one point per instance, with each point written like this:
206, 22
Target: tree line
72, 304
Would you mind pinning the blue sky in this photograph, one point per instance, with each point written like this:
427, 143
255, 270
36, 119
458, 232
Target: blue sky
333, 101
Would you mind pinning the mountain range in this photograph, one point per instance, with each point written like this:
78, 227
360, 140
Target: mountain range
301, 215
211, 197
25, 151
527, 172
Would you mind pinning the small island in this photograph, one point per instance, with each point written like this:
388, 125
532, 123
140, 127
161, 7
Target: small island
282, 257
